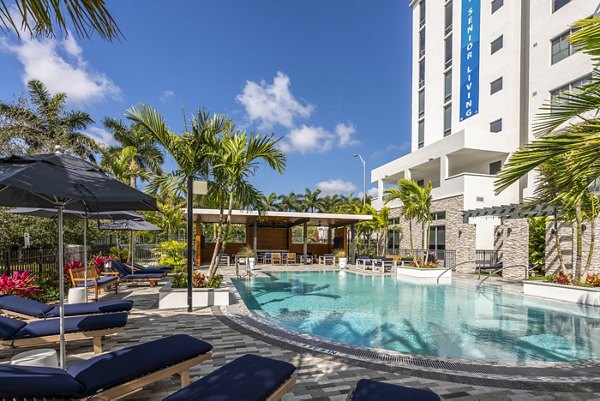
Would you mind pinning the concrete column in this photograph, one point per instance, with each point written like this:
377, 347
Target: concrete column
464, 245
352, 244
254, 236
512, 244
380, 189
305, 243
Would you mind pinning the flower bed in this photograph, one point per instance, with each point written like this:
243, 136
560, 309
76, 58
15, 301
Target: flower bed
173, 298
562, 292
424, 272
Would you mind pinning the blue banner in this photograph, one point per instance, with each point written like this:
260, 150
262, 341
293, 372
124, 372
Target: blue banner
469, 59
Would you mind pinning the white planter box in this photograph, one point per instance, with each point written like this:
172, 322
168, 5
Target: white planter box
566, 293
428, 273
175, 298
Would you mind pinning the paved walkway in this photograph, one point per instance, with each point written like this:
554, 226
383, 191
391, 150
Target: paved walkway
320, 377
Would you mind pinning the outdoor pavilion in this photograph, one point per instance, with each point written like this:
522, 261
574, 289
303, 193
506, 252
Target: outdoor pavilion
272, 230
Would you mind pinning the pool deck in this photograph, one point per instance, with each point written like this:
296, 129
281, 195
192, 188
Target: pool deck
322, 374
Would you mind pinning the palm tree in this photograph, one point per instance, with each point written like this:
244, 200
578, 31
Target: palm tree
147, 157
43, 122
235, 158
568, 125
330, 203
311, 201
123, 166
416, 204
290, 202
47, 18
269, 202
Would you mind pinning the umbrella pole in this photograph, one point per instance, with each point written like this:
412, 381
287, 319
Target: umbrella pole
131, 244
85, 263
61, 285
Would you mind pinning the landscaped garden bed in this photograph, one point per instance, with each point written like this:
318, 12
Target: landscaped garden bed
174, 298
562, 292
424, 272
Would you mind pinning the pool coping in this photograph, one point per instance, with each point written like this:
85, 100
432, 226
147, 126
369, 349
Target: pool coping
543, 376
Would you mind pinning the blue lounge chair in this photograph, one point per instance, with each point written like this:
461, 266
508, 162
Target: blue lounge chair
16, 333
364, 261
137, 268
124, 275
386, 264
248, 378
29, 309
108, 376
371, 390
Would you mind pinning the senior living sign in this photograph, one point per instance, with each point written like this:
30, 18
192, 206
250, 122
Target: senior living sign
469, 59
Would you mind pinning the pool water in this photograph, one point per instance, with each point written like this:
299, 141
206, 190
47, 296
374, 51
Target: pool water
453, 320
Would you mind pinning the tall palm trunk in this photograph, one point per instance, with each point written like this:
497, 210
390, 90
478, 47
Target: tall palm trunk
214, 260
561, 261
427, 234
579, 243
423, 241
588, 263
410, 231
222, 243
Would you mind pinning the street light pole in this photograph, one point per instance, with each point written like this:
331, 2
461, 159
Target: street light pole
364, 177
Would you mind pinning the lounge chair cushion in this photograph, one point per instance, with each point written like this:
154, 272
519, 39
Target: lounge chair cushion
90, 308
108, 370
371, 390
10, 327
163, 268
32, 381
101, 280
143, 269
141, 276
24, 306
41, 328
119, 268
248, 378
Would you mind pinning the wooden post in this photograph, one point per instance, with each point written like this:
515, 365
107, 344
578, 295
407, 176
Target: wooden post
198, 242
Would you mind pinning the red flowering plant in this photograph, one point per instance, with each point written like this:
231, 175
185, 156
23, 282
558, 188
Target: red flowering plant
560, 278
20, 283
75, 264
592, 280
99, 261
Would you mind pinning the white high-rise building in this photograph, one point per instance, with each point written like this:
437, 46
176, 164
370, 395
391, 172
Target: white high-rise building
481, 71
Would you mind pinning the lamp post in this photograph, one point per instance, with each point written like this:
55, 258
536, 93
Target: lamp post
364, 177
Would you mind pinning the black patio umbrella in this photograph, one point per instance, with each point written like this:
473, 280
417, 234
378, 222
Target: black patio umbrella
64, 182
72, 215
132, 226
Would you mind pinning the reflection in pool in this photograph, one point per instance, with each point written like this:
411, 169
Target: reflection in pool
454, 320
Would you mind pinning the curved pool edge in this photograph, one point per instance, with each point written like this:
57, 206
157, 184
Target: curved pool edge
542, 376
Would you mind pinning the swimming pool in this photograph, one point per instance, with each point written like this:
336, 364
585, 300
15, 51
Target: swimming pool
449, 321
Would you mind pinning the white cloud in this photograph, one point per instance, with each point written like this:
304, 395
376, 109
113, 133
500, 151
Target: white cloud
101, 135
166, 96
272, 104
337, 186
307, 139
344, 133
372, 192
60, 65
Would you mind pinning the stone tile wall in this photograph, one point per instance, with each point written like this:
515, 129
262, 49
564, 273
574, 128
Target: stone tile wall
511, 241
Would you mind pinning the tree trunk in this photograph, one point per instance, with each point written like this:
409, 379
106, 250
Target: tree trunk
428, 234
424, 256
561, 261
214, 260
412, 245
213, 270
588, 263
579, 244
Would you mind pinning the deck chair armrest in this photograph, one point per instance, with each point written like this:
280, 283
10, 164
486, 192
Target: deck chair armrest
109, 274
83, 280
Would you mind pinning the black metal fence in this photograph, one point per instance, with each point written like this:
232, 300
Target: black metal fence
43, 262
486, 258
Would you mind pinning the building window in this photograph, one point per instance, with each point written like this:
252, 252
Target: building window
437, 238
558, 4
561, 48
497, 44
422, 13
447, 120
421, 102
495, 167
422, 73
421, 43
496, 126
448, 51
438, 215
570, 87
421, 134
496, 86
496, 4
447, 86
448, 18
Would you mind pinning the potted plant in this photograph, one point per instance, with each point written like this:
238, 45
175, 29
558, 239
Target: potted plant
246, 255
341, 257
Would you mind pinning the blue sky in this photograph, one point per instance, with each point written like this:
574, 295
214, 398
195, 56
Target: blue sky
332, 77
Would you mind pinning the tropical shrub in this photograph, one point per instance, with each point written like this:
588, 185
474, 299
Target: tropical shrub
560, 278
75, 264
199, 280
49, 290
593, 280
172, 254
98, 262
119, 254
19, 283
